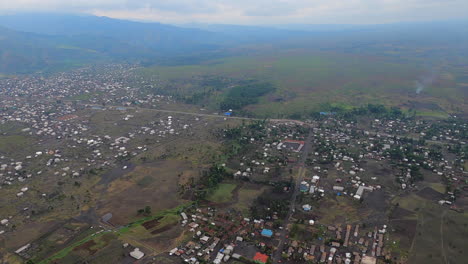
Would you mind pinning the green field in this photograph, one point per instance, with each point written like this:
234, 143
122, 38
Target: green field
10, 144
223, 193
306, 81
438, 233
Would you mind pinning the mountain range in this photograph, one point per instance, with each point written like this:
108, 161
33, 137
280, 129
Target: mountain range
49, 42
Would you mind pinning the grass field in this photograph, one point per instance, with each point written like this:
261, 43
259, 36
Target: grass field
340, 210
306, 80
438, 233
154, 186
223, 193
247, 196
14, 145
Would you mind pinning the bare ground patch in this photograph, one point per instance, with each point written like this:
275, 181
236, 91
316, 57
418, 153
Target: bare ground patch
430, 194
125, 196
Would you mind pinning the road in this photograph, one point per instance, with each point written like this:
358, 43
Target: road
298, 122
198, 114
276, 257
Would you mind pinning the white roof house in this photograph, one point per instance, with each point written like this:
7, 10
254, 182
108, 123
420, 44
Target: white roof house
137, 254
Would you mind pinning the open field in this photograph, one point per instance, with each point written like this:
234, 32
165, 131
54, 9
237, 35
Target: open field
154, 186
13, 143
311, 81
85, 247
247, 195
430, 226
223, 193
339, 210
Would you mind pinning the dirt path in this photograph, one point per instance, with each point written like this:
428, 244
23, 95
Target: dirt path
442, 237
202, 114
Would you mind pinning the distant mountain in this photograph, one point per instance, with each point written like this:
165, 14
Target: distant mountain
42, 42
159, 37
249, 34
23, 52
26, 52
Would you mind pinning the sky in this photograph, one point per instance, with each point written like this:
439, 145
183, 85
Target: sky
253, 12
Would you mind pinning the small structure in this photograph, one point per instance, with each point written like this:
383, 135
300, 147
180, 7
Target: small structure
368, 260
338, 188
304, 187
260, 258
137, 254
267, 233
306, 207
184, 216
23, 248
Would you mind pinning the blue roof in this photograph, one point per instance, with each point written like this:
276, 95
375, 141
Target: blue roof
228, 114
327, 113
267, 232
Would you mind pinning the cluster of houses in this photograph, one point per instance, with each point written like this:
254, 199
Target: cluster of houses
348, 244
219, 237
349, 146
51, 121
45, 119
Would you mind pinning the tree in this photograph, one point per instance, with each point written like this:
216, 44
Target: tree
147, 210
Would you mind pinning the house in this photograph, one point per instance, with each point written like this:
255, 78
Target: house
260, 258
184, 216
304, 187
306, 207
368, 260
137, 254
267, 233
360, 191
204, 239
338, 188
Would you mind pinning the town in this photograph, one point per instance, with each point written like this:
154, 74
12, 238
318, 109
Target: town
94, 166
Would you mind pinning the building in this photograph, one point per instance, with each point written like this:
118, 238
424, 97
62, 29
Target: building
360, 191
338, 188
306, 207
368, 260
294, 145
267, 233
137, 254
260, 258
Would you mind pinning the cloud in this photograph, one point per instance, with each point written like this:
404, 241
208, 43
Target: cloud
254, 11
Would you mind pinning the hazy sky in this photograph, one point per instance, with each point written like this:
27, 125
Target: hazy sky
254, 11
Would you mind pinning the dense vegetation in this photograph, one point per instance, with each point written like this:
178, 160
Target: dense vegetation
210, 180
244, 95
374, 110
